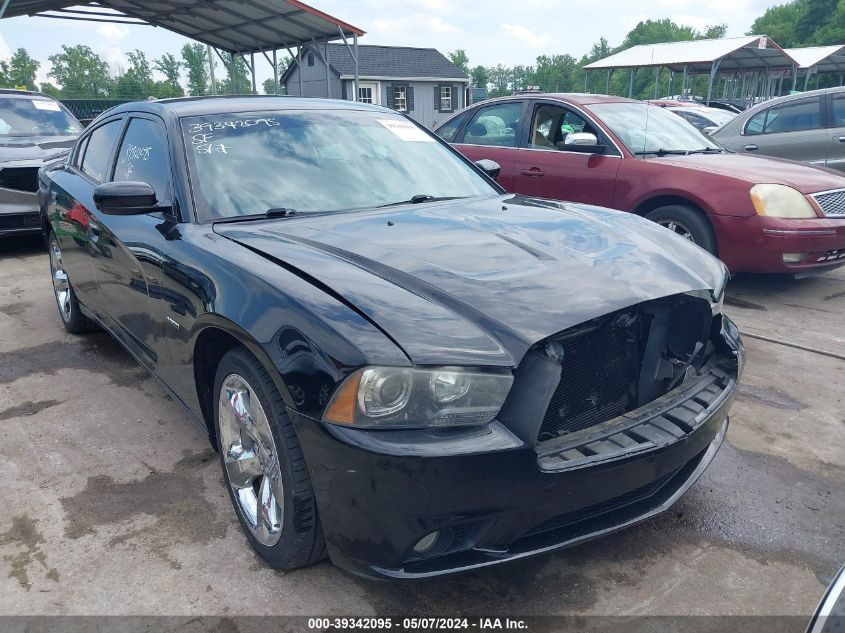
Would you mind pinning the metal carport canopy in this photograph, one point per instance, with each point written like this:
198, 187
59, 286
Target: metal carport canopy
733, 54
240, 27
236, 26
824, 59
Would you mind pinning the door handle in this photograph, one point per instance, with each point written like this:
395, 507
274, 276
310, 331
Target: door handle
750, 148
534, 172
842, 139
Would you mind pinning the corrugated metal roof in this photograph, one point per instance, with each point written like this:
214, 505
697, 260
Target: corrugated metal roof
827, 58
753, 52
237, 26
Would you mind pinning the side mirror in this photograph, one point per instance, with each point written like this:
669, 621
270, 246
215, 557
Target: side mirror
489, 167
581, 142
125, 198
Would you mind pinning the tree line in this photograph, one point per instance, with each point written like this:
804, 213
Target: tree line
79, 73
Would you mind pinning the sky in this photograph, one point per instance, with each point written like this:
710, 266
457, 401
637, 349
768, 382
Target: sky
491, 31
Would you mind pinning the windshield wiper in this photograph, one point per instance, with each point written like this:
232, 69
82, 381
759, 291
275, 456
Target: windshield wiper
707, 150
663, 152
277, 212
419, 199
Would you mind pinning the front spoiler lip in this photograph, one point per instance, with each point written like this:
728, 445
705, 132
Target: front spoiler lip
494, 558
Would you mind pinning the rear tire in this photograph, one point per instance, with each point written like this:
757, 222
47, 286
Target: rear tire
263, 465
687, 222
71, 314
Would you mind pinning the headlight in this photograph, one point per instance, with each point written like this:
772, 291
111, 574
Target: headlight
403, 397
780, 201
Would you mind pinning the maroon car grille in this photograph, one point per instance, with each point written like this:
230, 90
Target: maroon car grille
19, 178
600, 372
832, 202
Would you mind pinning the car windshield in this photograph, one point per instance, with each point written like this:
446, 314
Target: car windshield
312, 161
720, 117
21, 116
648, 129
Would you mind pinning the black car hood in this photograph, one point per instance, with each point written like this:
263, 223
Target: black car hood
13, 148
480, 281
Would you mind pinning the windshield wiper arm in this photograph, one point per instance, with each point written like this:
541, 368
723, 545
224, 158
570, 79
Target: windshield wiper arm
276, 212
662, 152
707, 150
419, 199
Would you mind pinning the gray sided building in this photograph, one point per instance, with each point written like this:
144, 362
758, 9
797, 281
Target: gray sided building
421, 82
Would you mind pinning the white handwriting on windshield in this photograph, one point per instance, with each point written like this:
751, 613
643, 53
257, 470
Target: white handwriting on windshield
203, 144
221, 126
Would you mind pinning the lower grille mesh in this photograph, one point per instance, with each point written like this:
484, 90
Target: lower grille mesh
19, 178
599, 377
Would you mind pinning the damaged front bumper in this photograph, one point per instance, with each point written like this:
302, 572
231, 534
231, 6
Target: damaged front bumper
490, 496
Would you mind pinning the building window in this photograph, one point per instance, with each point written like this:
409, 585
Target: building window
445, 98
365, 94
310, 59
400, 98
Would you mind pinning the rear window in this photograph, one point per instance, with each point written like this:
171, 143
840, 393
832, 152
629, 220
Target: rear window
36, 116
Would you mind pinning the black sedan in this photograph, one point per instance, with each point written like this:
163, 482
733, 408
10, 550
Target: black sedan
401, 365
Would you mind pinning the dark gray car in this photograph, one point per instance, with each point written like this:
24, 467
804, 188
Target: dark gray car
809, 127
34, 129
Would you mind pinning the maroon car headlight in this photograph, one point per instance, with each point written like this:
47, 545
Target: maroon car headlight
780, 201
406, 398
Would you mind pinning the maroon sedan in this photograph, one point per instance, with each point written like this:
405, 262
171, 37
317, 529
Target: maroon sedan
757, 214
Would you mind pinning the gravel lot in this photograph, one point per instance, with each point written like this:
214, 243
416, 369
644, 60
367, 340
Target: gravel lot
113, 503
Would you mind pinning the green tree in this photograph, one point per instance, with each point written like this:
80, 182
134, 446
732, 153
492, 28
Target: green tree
22, 69
5, 82
779, 23
196, 64
80, 72
239, 80
480, 77
460, 59
137, 81
49, 89
555, 73
169, 66
500, 77
715, 31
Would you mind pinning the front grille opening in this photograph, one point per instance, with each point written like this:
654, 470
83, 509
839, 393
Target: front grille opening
618, 362
19, 178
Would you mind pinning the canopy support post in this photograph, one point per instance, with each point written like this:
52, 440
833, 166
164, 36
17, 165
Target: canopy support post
3, 8
631, 84
656, 81
607, 88
586, 75
252, 68
275, 74
684, 82
355, 44
328, 79
713, 70
211, 69
807, 78
299, 64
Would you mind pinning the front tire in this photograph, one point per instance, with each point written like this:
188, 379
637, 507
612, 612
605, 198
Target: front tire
71, 314
688, 223
263, 465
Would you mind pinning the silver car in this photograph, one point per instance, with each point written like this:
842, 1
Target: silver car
809, 127
34, 129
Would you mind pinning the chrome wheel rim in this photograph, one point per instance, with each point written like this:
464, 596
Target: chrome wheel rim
678, 228
61, 286
251, 459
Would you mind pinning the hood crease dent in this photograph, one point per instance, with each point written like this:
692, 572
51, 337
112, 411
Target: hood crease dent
475, 282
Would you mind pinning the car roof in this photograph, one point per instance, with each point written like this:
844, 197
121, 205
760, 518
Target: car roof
798, 95
11, 92
199, 106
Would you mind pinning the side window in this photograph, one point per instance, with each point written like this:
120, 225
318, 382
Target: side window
552, 124
838, 110
80, 152
143, 156
448, 130
794, 116
96, 163
756, 123
494, 125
